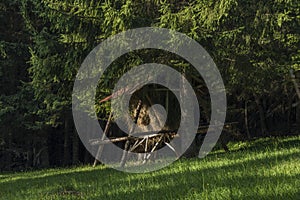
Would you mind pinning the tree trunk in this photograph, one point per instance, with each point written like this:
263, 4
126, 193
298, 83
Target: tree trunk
263, 126
67, 158
87, 157
297, 88
9, 156
29, 162
246, 120
75, 147
45, 158
289, 111
298, 117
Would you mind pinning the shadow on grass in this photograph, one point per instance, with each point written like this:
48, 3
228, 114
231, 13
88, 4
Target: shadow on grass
168, 183
192, 181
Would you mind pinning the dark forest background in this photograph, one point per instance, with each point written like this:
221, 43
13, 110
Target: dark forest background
254, 43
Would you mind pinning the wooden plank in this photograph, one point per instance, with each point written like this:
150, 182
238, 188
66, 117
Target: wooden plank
100, 141
172, 148
202, 129
100, 149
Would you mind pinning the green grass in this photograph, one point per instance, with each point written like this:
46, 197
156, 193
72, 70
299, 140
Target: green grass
262, 169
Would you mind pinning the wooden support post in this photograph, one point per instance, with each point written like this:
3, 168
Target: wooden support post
184, 115
146, 149
101, 146
262, 117
153, 149
136, 117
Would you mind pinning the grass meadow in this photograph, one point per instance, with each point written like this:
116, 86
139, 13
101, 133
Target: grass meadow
266, 168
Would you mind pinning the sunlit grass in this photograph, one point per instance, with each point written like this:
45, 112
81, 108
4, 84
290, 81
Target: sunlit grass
262, 169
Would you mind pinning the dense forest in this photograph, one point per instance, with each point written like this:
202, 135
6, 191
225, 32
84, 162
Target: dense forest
254, 43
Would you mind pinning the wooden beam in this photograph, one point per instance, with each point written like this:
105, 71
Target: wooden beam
100, 149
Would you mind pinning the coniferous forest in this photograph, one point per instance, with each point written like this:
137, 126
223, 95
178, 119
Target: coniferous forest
254, 43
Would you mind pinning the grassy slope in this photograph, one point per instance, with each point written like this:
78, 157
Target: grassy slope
263, 169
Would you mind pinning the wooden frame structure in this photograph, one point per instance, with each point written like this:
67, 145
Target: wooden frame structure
146, 142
